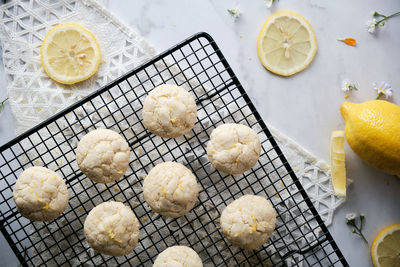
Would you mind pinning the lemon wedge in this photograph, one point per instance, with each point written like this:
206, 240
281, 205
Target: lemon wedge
286, 43
338, 169
70, 54
385, 249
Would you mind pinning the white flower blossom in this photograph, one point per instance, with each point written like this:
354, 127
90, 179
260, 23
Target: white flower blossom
268, 3
235, 12
383, 88
351, 216
348, 86
371, 26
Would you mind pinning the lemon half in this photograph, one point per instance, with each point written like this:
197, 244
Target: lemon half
70, 54
338, 169
385, 249
286, 44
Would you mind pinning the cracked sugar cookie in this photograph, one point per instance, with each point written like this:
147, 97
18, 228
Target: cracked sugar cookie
248, 222
103, 155
178, 256
170, 189
112, 228
233, 148
169, 111
40, 194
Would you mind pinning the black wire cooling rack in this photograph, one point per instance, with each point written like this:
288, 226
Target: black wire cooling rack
197, 64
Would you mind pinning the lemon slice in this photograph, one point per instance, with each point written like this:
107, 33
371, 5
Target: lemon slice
70, 54
385, 249
338, 169
286, 43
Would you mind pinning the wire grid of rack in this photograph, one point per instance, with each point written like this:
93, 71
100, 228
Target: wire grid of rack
197, 64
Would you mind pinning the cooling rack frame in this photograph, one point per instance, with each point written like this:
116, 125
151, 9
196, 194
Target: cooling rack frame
9, 215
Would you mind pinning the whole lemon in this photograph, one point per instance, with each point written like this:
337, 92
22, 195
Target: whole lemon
373, 132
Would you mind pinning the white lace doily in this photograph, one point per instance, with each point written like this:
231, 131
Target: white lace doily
34, 96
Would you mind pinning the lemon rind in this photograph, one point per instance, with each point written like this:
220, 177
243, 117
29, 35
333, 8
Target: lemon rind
340, 192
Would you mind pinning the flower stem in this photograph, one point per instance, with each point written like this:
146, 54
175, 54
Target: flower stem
2, 104
362, 218
363, 237
387, 17
377, 14
379, 95
358, 232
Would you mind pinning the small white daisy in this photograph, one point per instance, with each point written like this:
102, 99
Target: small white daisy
383, 88
371, 26
348, 86
351, 216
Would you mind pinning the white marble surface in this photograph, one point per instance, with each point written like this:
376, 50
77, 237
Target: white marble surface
305, 106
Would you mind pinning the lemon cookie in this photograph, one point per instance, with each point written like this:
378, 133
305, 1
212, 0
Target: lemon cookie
248, 222
112, 228
103, 155
40, 194
178, 256
169, 111
233, 148
170, 189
